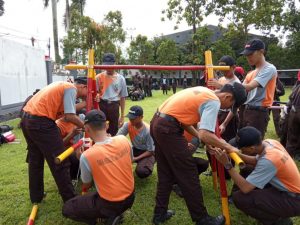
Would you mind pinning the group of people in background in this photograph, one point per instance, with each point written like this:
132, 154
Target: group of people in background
268, 189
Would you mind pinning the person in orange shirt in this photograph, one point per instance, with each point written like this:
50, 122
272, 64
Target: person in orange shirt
43, 137
260, 84
107, 164
273, 166
175, 163
112, 91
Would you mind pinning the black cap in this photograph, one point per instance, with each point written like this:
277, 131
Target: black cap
239, 93
134, 112
109, 59
227, 60
253, 45
81, 80
94, 116
246, 137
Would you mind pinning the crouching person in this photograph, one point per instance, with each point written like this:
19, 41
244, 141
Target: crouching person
143, 145
271, 204
108, 164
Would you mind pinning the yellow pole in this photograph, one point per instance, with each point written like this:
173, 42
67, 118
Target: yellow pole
68, 152
215, 164
75, 67
32, 215
237, 160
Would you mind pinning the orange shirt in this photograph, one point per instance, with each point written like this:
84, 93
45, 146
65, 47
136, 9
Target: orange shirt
263, 95
49, 101
185, 104
287, 171
111, 168
64, 126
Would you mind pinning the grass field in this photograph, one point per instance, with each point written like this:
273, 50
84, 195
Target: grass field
15, 205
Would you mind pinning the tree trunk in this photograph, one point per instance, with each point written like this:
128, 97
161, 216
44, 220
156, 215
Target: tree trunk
55, 30
68, 15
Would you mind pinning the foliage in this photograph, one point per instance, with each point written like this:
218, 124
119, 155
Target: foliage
141, 51
84, 33
167, 53
262, 14
1, 7
192, 11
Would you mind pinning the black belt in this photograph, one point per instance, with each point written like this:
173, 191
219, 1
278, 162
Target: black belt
294, 195
167, 117
258, 108
29, 116
109, 102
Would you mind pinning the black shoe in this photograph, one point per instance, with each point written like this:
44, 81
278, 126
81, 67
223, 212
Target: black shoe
230, 199
177, 190
209, 220
161, 218
114, 220
284, 221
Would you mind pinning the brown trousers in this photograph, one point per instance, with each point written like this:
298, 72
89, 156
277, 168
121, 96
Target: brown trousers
144, 166
293, 135
111, 111
44, 142
256, 118
175, 164
232, 126
89, 207
267, 205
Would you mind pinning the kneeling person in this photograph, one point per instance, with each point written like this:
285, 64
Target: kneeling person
272, 165
108, 163
143, 145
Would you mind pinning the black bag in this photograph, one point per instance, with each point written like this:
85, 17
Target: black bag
5, 128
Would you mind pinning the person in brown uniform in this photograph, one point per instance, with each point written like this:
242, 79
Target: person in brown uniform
43, 136
175, 163
293, 134
112, 91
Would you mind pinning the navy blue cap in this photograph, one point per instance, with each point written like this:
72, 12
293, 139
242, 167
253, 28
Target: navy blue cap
108, 59
134, 112
252, 46
246, 137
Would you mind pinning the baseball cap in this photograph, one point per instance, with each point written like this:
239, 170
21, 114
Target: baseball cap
134, 112
239, 93
253, 45
226, 60
108, 59
246, 137
81, 80
94, 116
239, 71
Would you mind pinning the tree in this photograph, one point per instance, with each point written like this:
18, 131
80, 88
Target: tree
1, 7
141, 51
262, 14
167, 53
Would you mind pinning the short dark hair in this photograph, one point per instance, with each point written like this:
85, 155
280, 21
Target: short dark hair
96, 119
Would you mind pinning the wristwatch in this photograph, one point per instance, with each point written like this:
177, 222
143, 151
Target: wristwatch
228, 166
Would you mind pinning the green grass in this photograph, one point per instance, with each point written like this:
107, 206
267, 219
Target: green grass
15, 204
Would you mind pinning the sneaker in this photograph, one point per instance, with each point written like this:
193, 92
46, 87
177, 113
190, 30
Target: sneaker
177, 190
284, 221
209, 220
161, 218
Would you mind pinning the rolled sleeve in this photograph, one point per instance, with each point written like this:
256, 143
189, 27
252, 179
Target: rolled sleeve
263, 173
69, 100
86, 175
265, 75
124, 92
209, 113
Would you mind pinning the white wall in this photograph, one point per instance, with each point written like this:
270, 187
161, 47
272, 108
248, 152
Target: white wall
22, 70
